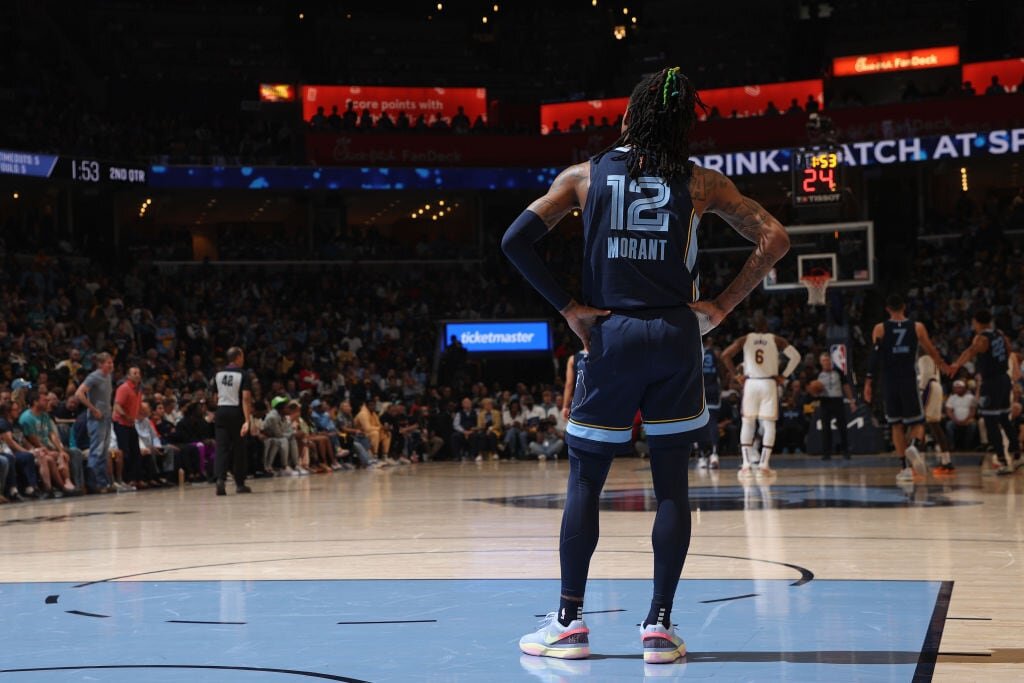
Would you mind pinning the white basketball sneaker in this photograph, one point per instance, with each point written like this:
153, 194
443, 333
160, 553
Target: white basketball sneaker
554, 640
661, 645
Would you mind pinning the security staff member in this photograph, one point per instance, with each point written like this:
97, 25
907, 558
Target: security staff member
231, 421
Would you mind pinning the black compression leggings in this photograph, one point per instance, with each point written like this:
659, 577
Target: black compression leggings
580, 529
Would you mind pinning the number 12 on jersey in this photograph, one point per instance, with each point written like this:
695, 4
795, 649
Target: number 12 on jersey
634, 221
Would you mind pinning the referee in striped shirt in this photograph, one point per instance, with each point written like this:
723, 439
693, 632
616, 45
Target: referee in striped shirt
231, 421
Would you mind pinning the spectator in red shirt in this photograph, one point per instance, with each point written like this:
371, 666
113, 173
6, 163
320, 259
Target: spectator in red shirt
126, 411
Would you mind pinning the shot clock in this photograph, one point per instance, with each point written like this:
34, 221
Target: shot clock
817, 176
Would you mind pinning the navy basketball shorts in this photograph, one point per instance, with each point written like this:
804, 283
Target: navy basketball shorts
994, 398
649, 361
903, 401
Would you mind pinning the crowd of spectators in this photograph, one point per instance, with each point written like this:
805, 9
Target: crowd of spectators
343, 368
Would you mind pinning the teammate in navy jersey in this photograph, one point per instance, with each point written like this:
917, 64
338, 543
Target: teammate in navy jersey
640, 323
894, 354
707, 443
992, 348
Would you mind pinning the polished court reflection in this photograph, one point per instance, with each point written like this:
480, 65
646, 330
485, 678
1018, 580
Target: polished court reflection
433, 572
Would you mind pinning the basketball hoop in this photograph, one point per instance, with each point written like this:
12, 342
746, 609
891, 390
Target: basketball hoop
816, 281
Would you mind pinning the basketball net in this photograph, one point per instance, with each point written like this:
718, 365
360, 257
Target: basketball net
816, 282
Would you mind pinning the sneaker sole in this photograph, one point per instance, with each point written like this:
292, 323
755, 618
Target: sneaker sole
538, 650
659, 656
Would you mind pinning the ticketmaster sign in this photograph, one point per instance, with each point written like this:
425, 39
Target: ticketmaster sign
488, 336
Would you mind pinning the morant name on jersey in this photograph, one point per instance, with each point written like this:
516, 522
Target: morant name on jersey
636, 248
640, 238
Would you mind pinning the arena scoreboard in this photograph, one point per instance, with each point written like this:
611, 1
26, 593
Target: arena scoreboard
77, 169
817, 176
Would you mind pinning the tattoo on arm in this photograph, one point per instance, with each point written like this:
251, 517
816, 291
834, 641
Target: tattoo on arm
751, 220
561, 197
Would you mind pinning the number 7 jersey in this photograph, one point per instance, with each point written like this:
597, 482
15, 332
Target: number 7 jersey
639, 239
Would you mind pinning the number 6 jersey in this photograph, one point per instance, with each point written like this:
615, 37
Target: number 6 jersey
640, 241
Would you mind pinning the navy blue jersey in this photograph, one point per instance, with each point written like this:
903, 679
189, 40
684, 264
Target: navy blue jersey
711, 372
898, 348
640, 239
994, 362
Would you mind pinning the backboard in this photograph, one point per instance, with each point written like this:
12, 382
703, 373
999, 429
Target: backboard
846, 250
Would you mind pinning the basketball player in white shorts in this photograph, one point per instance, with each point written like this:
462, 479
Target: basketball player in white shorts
761, 381
930, 385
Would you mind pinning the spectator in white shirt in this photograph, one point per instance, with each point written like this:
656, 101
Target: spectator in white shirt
961, 409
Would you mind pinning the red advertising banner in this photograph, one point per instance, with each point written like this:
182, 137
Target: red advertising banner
889, 62
753, 100
1010, 73
725, 135
277, 92
379, 99
749, 100
566, 113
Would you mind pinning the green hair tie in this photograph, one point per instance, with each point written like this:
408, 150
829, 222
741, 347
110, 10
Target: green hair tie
671, 80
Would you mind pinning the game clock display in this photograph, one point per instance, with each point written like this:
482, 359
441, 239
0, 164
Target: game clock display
95, 171
817, 176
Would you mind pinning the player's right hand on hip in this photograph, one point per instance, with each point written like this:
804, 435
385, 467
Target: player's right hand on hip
709, 315
581, 318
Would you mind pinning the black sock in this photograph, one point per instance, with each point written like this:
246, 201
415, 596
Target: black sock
914, 443
569, 610
660, 613
903, 462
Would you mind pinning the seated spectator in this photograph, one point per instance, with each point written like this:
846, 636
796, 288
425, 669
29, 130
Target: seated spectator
358, 441
278, 439
488, 431
368, 421
547, 444
794, 107
349, 118
464, 426
962, 424
36, 434
460, 122
995, 87
769, 110
811, 106
318, 121
21, 477
334, 120
515, 432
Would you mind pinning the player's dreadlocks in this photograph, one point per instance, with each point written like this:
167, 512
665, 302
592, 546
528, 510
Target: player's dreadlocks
662, 112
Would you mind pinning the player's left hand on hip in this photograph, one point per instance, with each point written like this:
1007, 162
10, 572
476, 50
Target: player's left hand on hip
709, 315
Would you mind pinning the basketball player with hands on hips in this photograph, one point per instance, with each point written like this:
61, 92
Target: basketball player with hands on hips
761, 382
992, 349
894, 352
642, 200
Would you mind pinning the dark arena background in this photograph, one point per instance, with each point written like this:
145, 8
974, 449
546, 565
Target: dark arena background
326, 185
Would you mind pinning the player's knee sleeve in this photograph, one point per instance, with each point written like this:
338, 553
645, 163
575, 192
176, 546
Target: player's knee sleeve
747, 429
769, 433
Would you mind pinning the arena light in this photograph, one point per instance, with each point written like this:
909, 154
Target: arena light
495, 8
625, 10
440, 202
619, 32
963, 179
484, 20
440, 6
593, 3
415, 215
633, 19
15, 195
301, 16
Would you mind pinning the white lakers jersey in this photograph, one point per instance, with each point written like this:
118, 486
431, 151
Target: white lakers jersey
760, 355
927, 372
